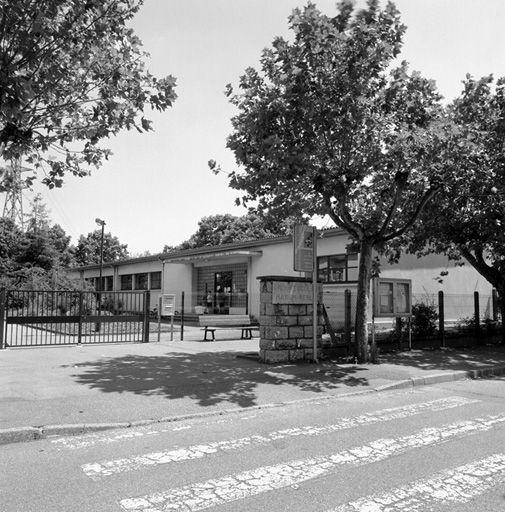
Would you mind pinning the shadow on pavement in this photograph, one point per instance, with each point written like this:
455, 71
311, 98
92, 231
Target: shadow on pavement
453, 359
208, 377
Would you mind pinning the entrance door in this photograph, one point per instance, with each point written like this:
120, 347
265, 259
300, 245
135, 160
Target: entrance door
223, 285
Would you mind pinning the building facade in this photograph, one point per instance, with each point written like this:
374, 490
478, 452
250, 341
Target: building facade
224, 279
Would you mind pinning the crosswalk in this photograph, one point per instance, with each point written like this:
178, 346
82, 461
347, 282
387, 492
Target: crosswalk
443, 490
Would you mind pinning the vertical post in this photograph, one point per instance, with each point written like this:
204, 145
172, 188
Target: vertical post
494, 304
147, 304
182, 316
159, 318
314, 295
398, 330
476, 315
441, 318
2, 317
79, 325
347, 319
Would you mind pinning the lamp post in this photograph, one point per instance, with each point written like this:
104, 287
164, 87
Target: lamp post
100, 222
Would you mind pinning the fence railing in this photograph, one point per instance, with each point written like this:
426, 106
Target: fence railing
61, 317
434, 315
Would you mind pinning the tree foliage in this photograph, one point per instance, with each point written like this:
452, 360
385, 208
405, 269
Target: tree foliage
87, 251
72, 75
220, 229
329, 126
468, 219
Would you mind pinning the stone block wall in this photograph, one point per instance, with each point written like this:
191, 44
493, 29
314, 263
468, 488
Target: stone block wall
286, 319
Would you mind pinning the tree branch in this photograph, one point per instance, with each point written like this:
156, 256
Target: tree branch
424, 201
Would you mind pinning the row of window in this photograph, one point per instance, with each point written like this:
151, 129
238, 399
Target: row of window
337, 268
129, 282
141, 281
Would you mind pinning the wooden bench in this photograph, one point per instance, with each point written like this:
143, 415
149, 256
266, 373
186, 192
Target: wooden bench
212, 322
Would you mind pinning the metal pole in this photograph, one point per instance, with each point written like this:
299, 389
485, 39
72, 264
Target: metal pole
2, 317
159, 318
100, 222
314, 294
441, 319
477, 315
182, 316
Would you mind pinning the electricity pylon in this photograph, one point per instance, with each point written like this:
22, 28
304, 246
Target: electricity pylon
13, 184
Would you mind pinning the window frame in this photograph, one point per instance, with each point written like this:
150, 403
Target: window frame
346, 268
158, 277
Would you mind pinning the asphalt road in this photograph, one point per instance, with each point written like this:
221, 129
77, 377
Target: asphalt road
439, 448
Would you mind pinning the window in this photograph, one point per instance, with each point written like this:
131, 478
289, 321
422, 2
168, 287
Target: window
109, 283
126, 282
141, 281
338, 268
155, 280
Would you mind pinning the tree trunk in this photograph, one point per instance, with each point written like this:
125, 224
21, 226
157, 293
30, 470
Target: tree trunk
363, 300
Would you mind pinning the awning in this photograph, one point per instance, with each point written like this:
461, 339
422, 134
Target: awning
211, 256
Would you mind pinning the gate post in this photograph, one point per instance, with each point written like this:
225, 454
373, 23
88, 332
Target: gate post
2, 317
441, 319
347, 319
147, 304
476, 316
79, 325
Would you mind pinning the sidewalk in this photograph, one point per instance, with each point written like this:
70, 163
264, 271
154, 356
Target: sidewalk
59, 390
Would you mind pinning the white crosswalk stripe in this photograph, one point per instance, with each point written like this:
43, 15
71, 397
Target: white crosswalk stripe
458, 485
107, 468
250, 483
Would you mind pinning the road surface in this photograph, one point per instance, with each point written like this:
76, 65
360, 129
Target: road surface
438, 448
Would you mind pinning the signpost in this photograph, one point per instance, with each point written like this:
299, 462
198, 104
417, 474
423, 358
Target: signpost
166, 307
305, 260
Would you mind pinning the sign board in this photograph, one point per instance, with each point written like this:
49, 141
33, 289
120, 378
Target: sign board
392, 297
303, 248
167, 305
291, 293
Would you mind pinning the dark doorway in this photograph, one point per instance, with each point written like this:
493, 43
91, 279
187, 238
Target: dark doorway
223, 286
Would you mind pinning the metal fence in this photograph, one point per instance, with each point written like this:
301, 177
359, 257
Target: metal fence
56, 317
453, 314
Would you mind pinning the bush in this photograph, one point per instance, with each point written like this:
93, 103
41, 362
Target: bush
424, 319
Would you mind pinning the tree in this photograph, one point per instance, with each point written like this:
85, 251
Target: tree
87, 251
222, 229
328, 126
468, 219
10, 239
73, 74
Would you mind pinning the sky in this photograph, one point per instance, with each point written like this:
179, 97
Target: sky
157, 186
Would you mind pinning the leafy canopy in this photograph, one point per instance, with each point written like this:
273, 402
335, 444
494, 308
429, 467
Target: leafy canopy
216, 230
87, 251
72, 74
468, 219
327, 126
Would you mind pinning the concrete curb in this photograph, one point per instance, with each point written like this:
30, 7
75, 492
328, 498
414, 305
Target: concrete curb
24, 434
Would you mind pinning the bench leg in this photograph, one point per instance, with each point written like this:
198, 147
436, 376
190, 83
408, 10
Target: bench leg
246, 334
207, 331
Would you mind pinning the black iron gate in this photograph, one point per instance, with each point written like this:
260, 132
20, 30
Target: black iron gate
56, 317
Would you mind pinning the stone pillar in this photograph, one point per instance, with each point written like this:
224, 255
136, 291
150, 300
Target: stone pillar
286, 319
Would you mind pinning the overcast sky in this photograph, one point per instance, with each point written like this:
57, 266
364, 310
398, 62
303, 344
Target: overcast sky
157, 186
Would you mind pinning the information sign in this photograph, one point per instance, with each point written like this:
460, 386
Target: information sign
167, 305
303, 248
392, 297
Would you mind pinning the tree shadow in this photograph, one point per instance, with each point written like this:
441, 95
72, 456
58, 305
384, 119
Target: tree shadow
469, 358
209, 378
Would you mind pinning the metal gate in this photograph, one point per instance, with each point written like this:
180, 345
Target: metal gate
56, 317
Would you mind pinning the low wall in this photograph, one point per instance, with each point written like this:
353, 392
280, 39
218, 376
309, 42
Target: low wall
286, 319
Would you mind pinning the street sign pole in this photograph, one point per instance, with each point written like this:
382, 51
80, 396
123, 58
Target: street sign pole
314, 294
305, 260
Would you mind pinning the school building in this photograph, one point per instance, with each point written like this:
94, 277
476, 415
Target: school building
224, 279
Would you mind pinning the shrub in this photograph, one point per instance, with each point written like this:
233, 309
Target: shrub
424, 319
